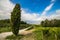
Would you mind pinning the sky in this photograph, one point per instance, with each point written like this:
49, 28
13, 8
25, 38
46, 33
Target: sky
33, 11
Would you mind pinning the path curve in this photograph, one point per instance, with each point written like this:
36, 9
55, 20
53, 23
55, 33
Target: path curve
22, 32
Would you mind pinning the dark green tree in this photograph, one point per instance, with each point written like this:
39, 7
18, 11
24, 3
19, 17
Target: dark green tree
51, 23
46, 22
16, 19
42, 23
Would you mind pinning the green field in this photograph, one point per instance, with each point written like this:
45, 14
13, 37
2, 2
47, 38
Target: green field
43, 33
47, 33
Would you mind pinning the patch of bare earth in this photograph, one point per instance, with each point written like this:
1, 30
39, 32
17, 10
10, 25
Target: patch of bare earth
28, 37
22, 32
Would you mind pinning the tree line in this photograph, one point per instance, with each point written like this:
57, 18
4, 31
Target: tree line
6, 23
51, 23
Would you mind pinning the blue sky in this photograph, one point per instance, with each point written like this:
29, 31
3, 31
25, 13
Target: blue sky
37, 5
33, 11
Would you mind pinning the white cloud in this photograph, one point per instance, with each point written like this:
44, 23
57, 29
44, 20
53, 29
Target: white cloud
5, 8
56, 15
52, 0
48, 7
29, 17
58, 11
35, 18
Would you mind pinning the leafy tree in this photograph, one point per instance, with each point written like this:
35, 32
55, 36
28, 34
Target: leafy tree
42, 23
16, 19
51, 23
22, 22
46, 22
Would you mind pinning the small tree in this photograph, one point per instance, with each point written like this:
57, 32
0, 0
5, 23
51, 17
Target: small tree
15, 19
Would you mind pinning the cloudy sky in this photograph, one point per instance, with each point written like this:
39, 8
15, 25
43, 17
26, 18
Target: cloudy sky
33, 11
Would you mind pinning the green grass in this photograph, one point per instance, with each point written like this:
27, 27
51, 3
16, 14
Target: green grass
47, 33
40, 33
13, 37
5, 29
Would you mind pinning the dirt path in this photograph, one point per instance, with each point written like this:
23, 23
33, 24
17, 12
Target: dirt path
22, 32
28, 37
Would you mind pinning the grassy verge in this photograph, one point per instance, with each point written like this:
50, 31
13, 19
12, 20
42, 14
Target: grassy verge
5, 29
13, 37
38, 35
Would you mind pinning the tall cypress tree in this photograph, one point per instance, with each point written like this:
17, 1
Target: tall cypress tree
15, 19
